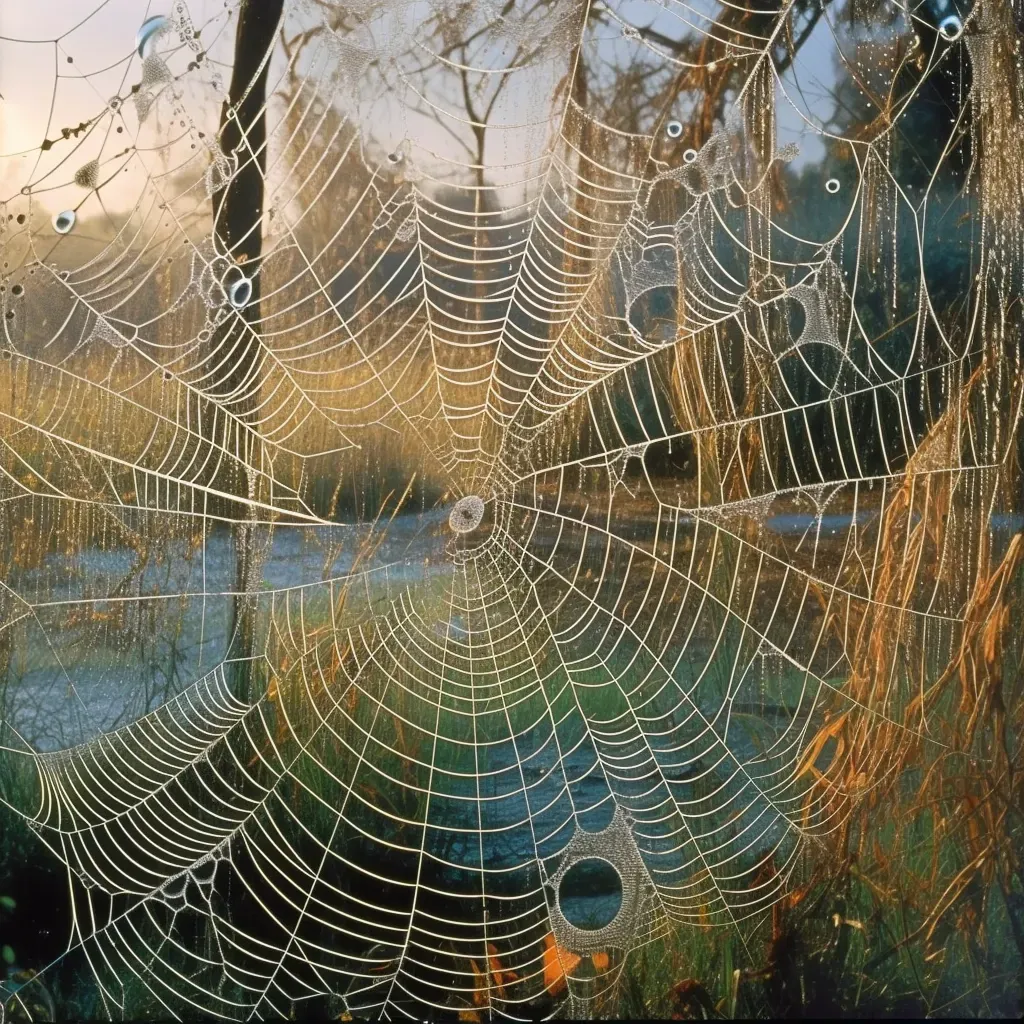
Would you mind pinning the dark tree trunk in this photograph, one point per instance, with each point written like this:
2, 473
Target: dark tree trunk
235, 353
238, 208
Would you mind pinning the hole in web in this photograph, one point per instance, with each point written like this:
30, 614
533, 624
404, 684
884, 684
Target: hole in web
797, 316
590, 896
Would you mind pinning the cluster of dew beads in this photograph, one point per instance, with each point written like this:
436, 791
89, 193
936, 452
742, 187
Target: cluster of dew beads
467, 513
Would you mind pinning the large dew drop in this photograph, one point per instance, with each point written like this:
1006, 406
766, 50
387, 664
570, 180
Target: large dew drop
64, 222
149, 31
951, 28
240, 292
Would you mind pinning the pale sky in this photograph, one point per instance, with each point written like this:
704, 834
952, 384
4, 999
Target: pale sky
62, 60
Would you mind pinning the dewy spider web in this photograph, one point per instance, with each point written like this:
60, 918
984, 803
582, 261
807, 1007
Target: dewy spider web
514, 504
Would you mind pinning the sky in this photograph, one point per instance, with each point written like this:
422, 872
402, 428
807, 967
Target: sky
61, 61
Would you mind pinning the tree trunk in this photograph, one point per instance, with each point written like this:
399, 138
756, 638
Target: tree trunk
238, 231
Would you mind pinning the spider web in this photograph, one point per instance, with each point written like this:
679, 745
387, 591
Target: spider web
516, 502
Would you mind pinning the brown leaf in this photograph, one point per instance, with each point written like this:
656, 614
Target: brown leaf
558, 964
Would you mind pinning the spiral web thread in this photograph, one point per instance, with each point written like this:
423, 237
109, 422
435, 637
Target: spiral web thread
518, 289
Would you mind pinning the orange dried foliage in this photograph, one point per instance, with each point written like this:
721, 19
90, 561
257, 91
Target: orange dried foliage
500, 976
955, 720
558, 965
492, 980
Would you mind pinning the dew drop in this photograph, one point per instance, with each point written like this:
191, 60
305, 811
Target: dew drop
240, 292
832, 186
689, 156
951, 28
64, 222
674, 129
148, 32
